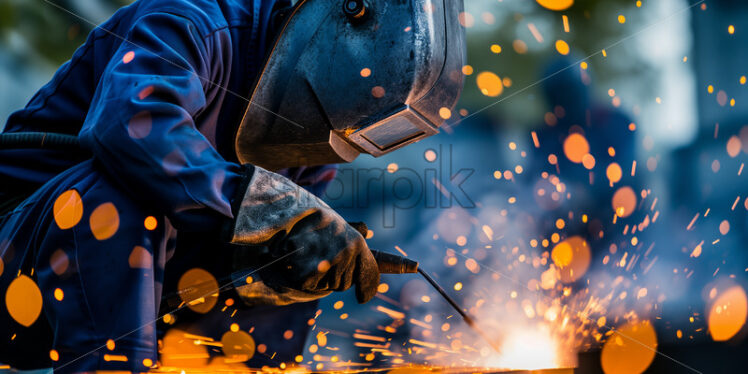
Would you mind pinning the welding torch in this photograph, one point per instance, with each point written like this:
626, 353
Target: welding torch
389, 263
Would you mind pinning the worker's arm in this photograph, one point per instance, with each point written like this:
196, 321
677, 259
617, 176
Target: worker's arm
141, 128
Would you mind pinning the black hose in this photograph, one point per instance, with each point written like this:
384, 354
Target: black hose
12, 196
43, 140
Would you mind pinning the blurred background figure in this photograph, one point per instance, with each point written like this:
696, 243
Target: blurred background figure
587, 144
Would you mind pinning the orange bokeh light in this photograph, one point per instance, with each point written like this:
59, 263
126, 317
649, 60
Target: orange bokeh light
728, 313
572, 256
104, 221
23, 299
556, 4
733, 146
140, 258
562, 47
128, 57
614, 172
150, 223
198, 289
588, 161
489, 84
59, 262
630, 349
624, 201
445, 113
68, 209
238, 346
576, 147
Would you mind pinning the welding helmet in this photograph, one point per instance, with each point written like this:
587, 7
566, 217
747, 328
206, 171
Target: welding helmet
345, 77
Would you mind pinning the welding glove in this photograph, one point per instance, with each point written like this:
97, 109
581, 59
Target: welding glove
310, 249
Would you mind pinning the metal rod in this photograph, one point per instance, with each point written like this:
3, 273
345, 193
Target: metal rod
469, 320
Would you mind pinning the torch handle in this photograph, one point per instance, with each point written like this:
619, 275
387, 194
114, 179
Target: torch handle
388, 263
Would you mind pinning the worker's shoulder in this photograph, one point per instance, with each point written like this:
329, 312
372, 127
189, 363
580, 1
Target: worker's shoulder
206, 15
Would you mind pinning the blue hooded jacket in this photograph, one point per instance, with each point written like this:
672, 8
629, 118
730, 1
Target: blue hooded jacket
156, 93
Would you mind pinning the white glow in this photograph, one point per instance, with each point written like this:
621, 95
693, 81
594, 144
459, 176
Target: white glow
527, 349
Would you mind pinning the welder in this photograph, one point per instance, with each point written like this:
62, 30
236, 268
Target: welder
179, 136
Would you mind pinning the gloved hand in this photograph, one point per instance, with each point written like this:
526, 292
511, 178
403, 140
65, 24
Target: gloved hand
315, 250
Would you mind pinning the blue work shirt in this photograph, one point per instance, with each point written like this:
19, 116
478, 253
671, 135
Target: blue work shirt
155, 95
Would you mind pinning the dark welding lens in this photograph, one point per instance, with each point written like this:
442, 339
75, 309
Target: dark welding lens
355, 10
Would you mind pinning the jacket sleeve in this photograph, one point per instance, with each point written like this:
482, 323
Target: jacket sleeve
141, 129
